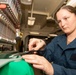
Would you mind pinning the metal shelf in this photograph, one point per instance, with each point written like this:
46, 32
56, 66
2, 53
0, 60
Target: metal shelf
13, 11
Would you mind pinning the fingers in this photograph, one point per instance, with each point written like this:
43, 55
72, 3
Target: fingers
32, 58
39, 62
31, 44
38, 66
35, 44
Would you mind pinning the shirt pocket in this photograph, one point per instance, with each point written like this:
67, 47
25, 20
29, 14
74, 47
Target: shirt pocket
73, 57
72, 61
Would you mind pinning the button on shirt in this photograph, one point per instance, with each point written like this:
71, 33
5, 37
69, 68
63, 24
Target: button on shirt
62, 55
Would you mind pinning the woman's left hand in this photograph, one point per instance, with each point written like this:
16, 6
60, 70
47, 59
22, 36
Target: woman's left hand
39, 62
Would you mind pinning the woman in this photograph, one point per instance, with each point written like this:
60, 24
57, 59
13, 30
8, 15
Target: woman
61, 50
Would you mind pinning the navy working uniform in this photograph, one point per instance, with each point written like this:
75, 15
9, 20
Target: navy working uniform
62, 55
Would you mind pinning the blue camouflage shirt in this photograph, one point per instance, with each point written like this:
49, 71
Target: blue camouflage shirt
62, 55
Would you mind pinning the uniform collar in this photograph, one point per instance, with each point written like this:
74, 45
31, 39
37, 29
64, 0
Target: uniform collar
63, 43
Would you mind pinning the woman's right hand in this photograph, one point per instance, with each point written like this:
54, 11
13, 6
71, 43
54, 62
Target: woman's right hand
39, 62
36, 44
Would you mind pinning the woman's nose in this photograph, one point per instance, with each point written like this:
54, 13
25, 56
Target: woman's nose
63, 22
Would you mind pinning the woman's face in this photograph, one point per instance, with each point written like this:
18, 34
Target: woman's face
66, 21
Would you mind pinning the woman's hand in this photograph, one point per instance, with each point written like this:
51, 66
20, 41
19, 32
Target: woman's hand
39, 62
36, 44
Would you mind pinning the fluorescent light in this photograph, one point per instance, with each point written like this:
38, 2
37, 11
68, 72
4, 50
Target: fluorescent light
72, 3
34, 33
26, 2
0, 37
49, 17
31, 21
53, 35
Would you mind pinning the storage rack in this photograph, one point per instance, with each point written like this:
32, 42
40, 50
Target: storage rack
10, 19
13, 11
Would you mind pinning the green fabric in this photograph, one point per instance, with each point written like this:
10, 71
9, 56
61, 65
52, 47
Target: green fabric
17, 68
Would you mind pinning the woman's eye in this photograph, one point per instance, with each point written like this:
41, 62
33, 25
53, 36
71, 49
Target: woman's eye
66, 18
58, 21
